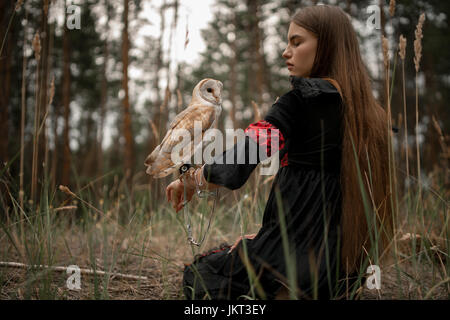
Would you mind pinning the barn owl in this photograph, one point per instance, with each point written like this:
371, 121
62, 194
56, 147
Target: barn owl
205, 107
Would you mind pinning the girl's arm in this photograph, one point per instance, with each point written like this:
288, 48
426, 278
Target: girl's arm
230, 175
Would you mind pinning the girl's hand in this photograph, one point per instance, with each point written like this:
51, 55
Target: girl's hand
247, 236
175, 194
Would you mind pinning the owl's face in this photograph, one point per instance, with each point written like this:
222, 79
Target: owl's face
211, 91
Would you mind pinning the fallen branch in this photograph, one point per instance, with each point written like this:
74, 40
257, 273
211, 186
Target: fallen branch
64, 269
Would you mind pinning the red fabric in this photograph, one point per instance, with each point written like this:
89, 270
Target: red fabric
284, 161
261, 132
214, 251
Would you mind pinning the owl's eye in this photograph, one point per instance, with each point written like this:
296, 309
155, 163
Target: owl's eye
209, 90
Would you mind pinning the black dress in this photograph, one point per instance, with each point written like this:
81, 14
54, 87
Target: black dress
308, 184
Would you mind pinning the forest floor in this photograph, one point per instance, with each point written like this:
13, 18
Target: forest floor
403, 281
144, 238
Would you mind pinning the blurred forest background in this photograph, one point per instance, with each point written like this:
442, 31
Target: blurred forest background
79, 108
83, 105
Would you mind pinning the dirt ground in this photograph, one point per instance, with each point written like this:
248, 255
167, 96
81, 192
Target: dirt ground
164, 283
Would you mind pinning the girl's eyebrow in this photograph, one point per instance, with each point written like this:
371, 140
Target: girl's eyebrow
295, 36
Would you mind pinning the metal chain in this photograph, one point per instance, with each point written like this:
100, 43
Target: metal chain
187, 215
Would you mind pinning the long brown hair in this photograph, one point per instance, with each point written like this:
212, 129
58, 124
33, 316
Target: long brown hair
365, 136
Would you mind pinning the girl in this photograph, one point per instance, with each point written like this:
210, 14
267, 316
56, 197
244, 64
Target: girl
332, 189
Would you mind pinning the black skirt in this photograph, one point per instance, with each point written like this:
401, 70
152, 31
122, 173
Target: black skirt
302, 245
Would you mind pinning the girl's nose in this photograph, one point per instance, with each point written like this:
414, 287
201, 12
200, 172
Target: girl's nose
286, 54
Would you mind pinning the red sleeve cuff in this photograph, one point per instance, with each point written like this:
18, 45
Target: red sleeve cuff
262, 132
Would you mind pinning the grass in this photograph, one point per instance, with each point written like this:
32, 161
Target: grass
125, 237
102, 233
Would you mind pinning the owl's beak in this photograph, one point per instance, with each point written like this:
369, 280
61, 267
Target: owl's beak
218, 99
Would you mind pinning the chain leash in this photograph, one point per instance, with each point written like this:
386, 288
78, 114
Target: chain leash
187, 216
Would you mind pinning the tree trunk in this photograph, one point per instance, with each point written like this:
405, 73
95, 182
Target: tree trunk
158, 67
103, 101
104, 93
5, 76
233, 74
43, 87
258, 69
383, 72
65, 176
127, 130
292, 6
5, 89
54, 170
348, 6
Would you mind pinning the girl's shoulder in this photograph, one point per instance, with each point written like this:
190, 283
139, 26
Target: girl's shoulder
305, 90
291, 110
313, 87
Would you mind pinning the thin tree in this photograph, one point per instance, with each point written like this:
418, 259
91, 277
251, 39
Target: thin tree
43, 85
104, 90
7, 43
233, 68
65, 177
127, 130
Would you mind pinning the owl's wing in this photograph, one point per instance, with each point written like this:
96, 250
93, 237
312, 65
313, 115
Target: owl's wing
185, 120
179, 116
159, 161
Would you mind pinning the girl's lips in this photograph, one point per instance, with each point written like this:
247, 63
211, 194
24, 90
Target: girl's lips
290, 66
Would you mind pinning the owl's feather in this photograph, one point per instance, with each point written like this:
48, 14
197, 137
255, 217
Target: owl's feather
159, 162
204, 107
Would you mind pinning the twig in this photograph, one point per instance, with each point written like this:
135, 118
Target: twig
64, 269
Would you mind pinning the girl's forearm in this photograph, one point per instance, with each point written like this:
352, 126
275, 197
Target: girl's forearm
206, 185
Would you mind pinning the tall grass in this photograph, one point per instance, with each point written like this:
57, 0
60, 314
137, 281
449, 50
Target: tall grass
66, 230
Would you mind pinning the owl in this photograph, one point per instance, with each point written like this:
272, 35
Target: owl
205, 106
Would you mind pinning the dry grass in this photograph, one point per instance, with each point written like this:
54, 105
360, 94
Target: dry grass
152, 243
